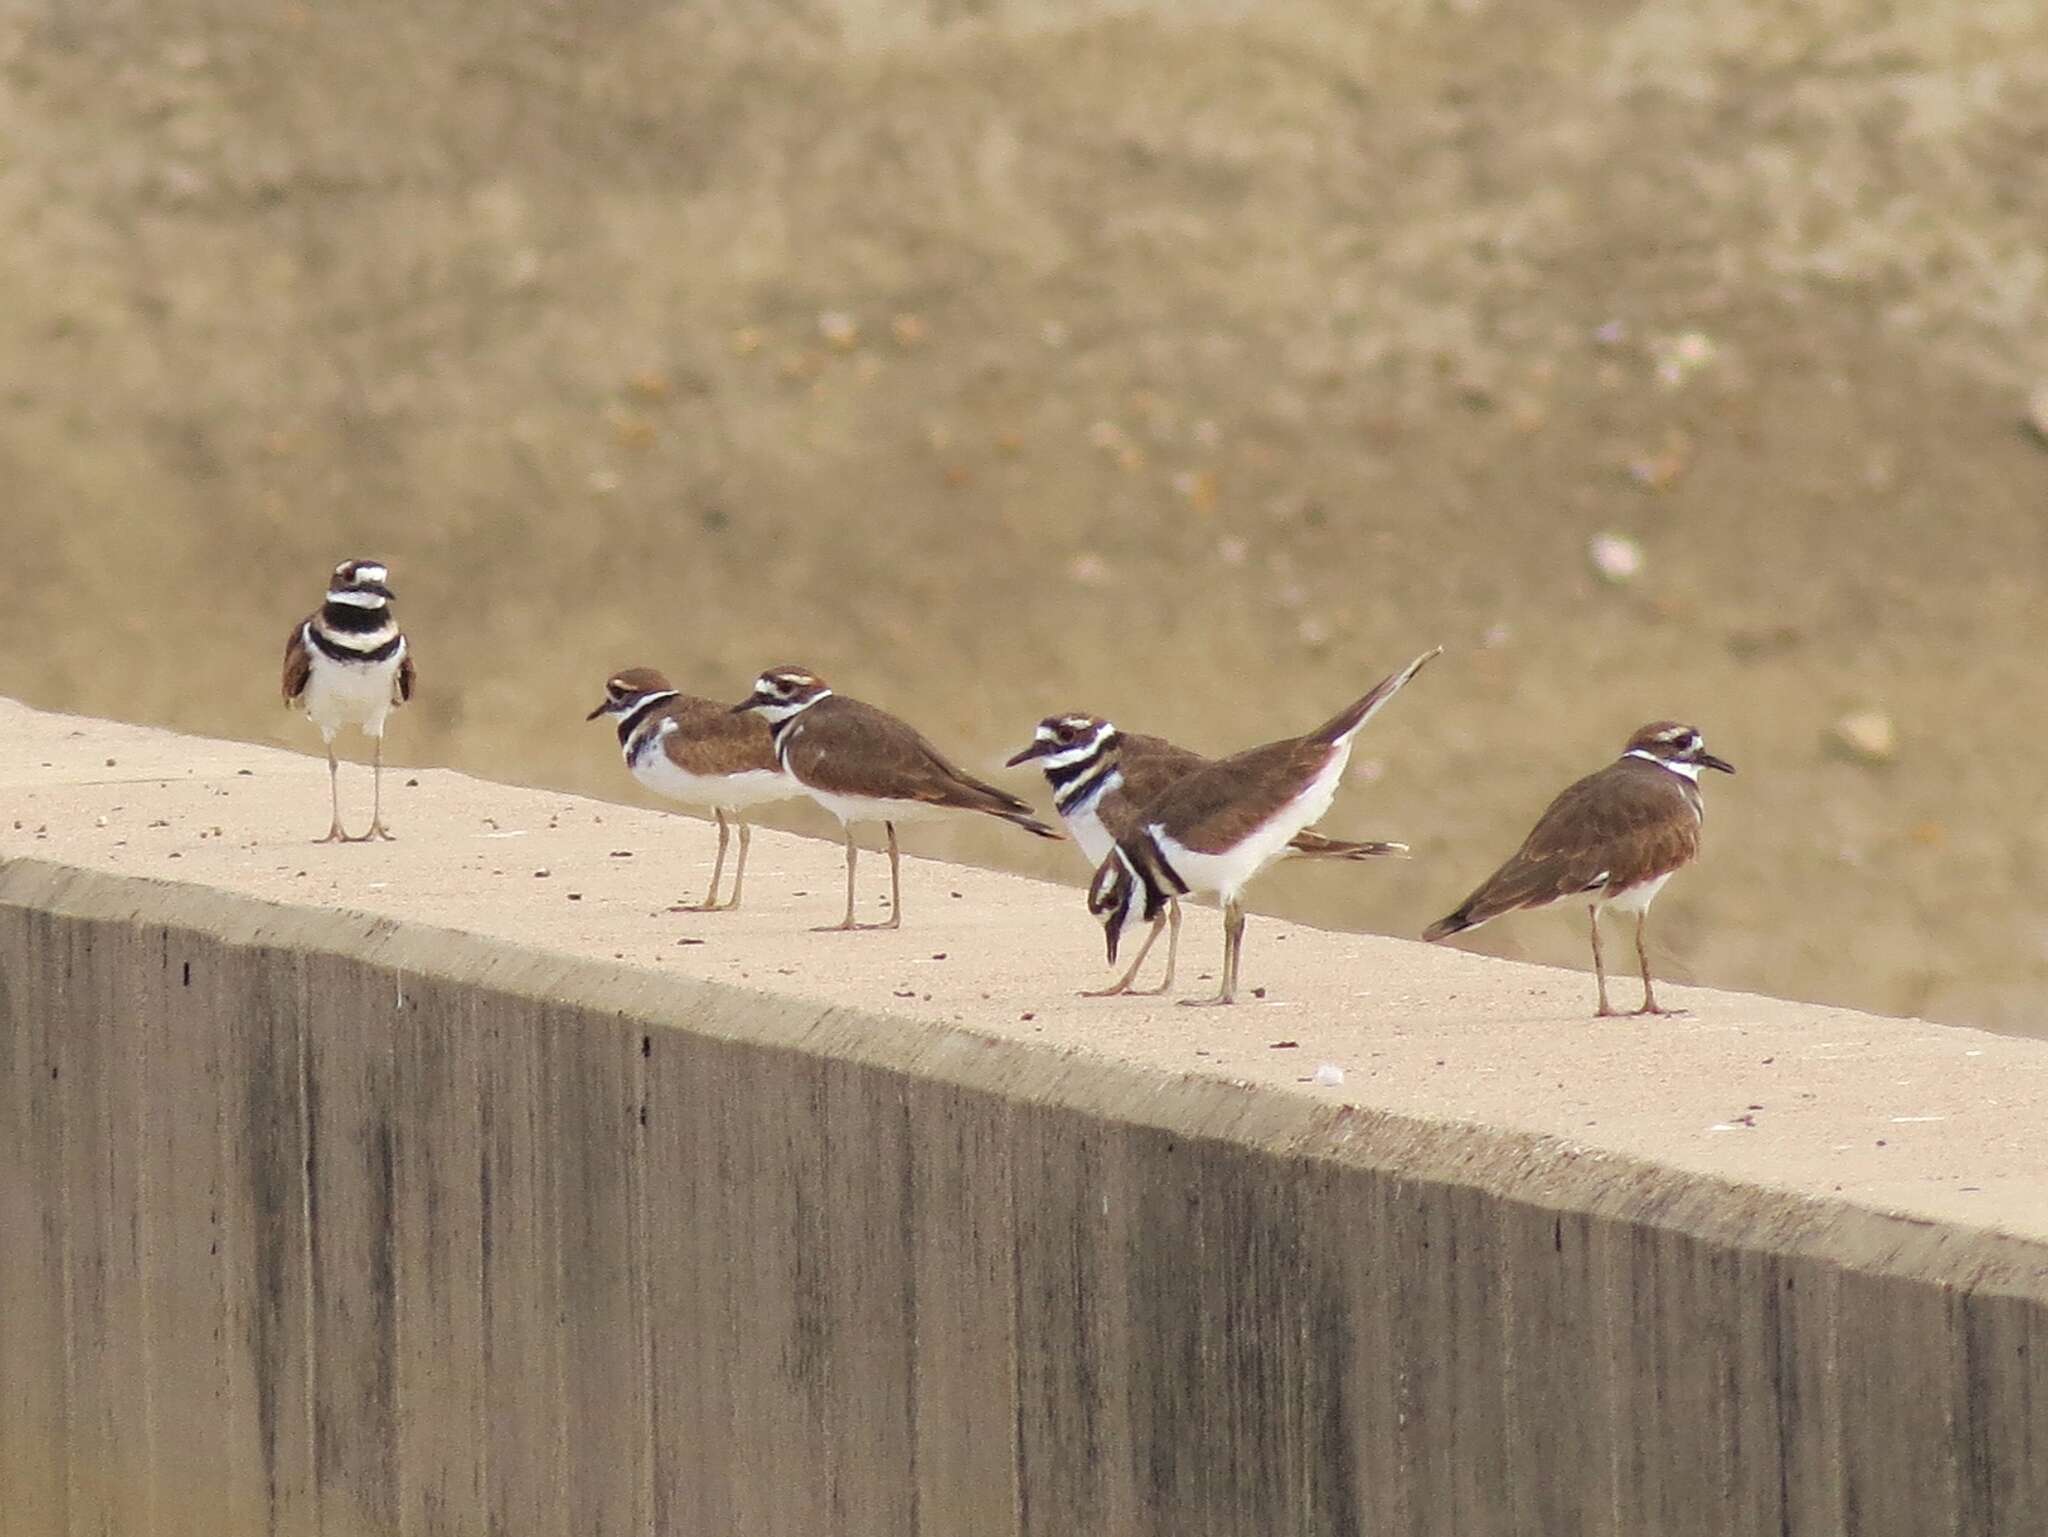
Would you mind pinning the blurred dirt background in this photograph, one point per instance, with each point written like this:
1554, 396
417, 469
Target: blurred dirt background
1195, 362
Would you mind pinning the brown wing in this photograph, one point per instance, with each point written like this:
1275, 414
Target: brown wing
1152, 765
845, 747
713, 740
401, 685
1214, 808
298, 663
1628, 823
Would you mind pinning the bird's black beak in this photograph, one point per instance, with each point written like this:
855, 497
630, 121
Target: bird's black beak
751, 702
1112, 931
602, 706
1037, 749
1708, 760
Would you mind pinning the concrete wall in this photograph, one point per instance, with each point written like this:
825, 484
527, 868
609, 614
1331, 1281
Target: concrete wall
321, 1223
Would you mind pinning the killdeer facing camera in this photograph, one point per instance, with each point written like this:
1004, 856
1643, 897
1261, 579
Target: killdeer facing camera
347, 664
1611, 840
1102, 778
864, 765
698, 752
1215, 828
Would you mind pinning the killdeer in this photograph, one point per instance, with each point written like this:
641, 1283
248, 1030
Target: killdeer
698, 752
347, 664
1613, 840
1214, 829
1103, 777
864, 765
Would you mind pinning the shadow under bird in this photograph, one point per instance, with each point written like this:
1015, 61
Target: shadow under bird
864, 765
1612, 840
1216, 828
347, 664
1102, 778
700, 753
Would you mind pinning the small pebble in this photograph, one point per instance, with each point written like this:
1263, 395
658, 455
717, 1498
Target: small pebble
1327, 1075
839, 330
1868, 736
1616, 558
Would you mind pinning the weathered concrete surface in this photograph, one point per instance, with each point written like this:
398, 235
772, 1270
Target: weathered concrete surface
361, 1190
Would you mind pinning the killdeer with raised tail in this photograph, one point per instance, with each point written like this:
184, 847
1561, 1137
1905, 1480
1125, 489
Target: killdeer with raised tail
1216, 828
1611, 840
1103, 777
347, 664
698, 752
864, 765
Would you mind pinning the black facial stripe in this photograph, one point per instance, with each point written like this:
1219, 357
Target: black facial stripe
1076, 785
1059, 774
630, 722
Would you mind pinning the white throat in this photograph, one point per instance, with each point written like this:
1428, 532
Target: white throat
786, 709
356, 599
1688, 771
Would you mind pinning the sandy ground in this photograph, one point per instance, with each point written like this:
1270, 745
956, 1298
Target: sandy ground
1195, 365
1891, 1115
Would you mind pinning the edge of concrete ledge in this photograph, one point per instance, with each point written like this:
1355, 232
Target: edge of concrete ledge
1535, 1171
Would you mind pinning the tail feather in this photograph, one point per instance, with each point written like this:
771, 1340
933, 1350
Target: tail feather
1313, 845
1347, 723
976, 795
1444, 928
1031, 824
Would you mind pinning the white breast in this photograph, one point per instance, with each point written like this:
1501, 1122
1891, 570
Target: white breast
730, 791
1084, 826
660, 773
357, 694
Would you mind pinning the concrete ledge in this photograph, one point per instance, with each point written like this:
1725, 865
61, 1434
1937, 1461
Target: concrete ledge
365, 1190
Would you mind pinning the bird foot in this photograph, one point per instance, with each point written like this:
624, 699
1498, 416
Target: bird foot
1657, 1008
1208, 1003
